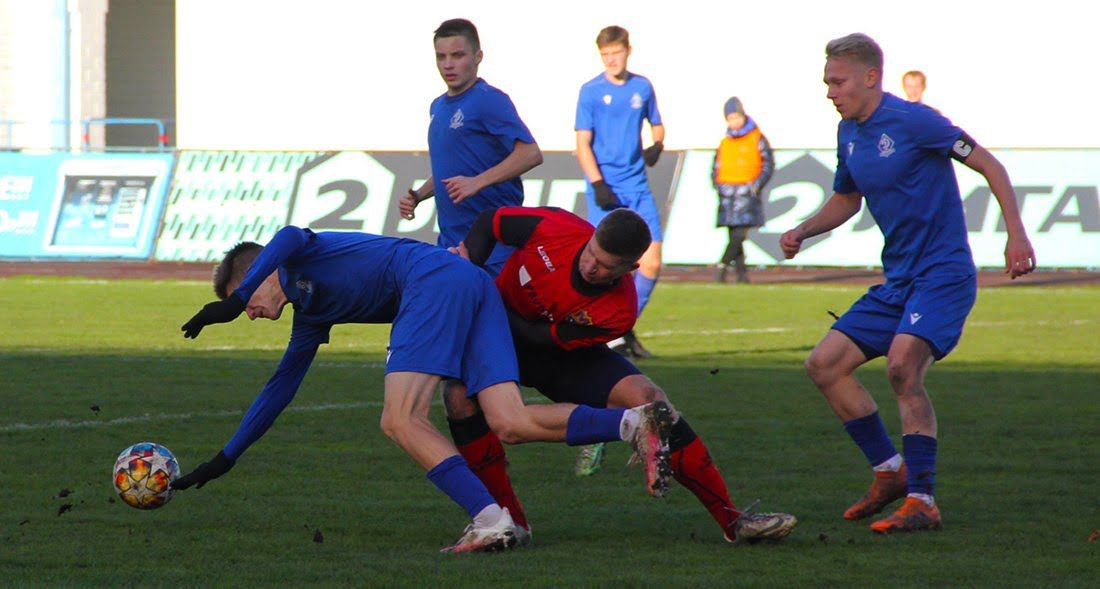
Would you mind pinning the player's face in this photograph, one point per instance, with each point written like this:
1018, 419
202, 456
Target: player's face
599, 267
457, 62
267, 301
914, 88
614, 58
853, 87
735, 120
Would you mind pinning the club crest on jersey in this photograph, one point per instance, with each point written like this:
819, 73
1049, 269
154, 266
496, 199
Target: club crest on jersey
636, 101
607, 99
580, 317
457, 118
885, 146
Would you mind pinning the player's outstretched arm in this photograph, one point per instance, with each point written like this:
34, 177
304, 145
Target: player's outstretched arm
1019, 255
217, 312
838, 209
205, 472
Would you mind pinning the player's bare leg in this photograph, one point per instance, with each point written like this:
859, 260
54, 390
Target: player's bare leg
408, 399
907, 363
483, 452
831, 367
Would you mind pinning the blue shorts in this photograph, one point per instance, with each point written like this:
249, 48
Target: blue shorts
584, 376
451, 322
931, 308
639, 202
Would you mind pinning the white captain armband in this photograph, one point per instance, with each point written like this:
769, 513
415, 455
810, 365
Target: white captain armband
963, 147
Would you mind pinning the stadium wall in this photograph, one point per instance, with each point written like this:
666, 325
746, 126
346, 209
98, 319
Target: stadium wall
193, 205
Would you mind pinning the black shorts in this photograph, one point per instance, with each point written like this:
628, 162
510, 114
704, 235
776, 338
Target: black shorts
584, 376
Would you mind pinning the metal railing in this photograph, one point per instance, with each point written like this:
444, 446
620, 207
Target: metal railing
9, 126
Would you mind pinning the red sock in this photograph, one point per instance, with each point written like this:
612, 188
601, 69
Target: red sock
485, 455
693, 468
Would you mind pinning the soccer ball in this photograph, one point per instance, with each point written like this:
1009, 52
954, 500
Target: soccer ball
143, 473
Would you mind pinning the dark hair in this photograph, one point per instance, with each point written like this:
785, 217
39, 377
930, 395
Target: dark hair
459, 27
624, 233
234, 266
612, 35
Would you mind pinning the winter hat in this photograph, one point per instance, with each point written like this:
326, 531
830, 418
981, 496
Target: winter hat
733, 105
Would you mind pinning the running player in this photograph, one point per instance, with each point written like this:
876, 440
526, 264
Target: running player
447, 322
477, 144
898, 156
567, 292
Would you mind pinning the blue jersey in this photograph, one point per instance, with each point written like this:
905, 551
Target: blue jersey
614, 114
337, 277
468, 134
898, 159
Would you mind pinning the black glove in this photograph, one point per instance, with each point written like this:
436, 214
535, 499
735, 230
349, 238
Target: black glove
652, 153
206, 472
216, 312
605, 198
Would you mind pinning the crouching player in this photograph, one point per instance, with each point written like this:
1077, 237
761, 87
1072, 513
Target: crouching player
448, 321
566, 297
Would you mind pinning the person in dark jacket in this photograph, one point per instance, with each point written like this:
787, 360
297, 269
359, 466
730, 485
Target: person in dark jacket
743, 164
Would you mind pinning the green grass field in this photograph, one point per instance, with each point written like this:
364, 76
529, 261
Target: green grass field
1017, 477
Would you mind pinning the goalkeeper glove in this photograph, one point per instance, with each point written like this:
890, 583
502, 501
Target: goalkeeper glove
605, 197
216, 312
205, 472
652, 153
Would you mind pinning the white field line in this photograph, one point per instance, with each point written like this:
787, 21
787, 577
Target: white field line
734, 330
67, 424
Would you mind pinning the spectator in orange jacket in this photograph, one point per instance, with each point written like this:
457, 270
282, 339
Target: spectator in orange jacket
743, 164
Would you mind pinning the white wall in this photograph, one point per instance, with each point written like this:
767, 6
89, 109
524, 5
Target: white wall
32, 72
345, 74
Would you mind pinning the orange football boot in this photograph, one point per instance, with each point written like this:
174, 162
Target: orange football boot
913, 515
887, 487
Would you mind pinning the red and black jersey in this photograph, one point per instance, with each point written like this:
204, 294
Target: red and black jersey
541, 281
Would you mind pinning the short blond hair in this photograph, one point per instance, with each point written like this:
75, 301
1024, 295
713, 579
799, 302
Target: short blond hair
858, 47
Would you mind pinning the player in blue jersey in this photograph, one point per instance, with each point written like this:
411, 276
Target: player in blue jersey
448, 321
610, 112
477, 143
898, 156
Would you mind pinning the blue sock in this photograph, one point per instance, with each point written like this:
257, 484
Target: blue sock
920, 455
454, 477
644, 285
869, 433
588, 425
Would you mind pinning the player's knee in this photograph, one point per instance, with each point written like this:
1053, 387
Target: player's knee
394, 425
903, 376
818, 369
509, 432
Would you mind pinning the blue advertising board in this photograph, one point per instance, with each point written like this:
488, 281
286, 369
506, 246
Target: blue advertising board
80, 206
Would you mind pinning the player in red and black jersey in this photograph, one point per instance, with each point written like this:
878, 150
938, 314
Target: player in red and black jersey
566, 296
